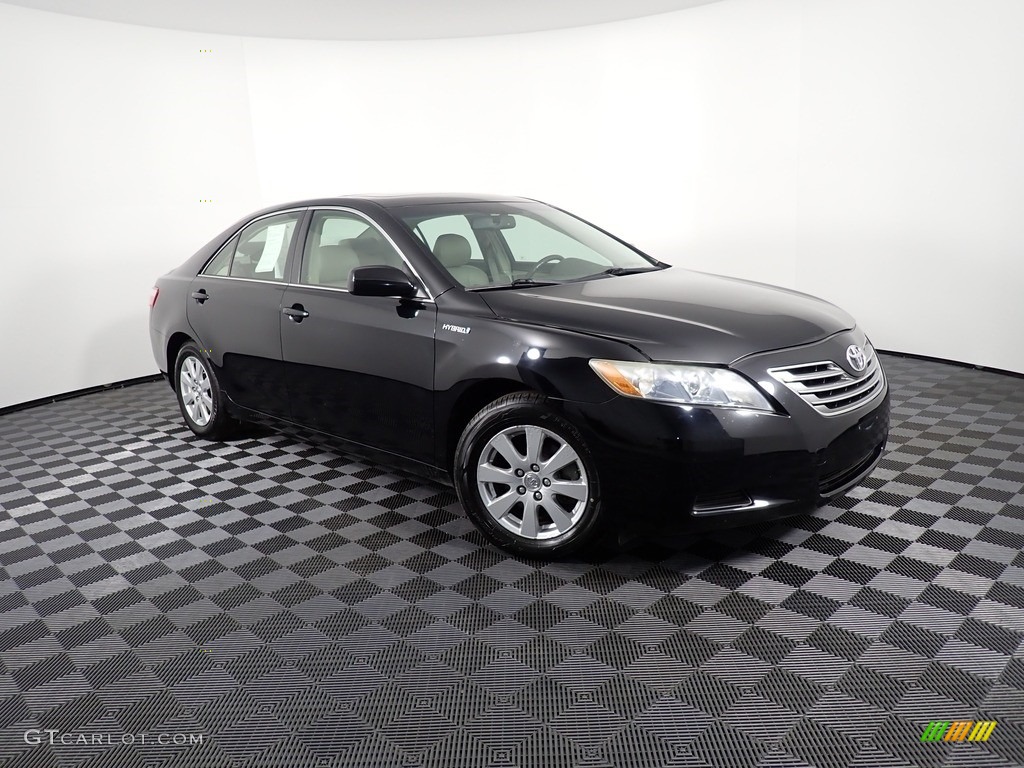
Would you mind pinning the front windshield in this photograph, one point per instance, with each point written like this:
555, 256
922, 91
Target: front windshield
491, 245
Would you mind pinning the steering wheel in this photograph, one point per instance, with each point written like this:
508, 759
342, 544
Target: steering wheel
552, 259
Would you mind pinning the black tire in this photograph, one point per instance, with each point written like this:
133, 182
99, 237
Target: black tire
583, 519
219, 424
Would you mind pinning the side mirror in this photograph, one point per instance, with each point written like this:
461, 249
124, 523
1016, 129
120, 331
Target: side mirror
380, 281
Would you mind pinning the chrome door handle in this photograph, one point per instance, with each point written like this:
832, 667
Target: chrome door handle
296, 313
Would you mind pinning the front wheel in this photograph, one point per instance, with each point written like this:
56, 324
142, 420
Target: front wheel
200, 397
527, 479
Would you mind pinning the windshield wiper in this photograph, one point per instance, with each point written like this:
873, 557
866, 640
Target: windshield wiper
630, 270
517, 283
521, 281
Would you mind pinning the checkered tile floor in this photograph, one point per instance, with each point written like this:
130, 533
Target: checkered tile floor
294, 607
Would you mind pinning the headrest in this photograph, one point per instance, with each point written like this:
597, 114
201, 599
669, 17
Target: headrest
369, 246
336, 262
452, 250
369, 234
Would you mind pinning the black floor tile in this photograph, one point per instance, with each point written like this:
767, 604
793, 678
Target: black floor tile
358, 621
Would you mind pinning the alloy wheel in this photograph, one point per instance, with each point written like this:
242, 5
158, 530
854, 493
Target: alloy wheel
532, 482
196, 391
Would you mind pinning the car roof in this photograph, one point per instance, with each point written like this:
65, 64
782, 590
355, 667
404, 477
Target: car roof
399, 200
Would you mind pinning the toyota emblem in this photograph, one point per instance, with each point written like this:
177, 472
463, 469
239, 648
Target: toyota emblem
856, 358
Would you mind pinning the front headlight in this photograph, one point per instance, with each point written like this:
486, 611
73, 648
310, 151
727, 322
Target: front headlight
686, 384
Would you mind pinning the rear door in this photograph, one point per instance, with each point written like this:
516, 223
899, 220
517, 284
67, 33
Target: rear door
234, 308
359, 367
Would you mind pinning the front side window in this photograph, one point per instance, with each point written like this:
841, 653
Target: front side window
484, 245
340, 241
258, 252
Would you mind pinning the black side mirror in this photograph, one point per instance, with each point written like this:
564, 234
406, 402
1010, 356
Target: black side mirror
380, 281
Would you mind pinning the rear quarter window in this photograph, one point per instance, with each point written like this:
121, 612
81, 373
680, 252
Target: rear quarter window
219, 265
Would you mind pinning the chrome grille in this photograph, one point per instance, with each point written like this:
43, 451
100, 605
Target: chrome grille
828, 388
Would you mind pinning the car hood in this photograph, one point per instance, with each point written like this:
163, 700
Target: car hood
678, 314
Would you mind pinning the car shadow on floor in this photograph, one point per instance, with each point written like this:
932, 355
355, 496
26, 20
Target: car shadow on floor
621, 549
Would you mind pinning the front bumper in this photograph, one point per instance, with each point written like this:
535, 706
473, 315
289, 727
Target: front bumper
669, 466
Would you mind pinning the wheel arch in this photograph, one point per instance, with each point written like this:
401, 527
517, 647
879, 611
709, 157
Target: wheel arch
174, 345
468, 404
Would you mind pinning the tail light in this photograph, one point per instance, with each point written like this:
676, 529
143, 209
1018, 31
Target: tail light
153, 296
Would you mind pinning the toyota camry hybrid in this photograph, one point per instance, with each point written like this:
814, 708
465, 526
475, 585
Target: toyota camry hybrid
562, 380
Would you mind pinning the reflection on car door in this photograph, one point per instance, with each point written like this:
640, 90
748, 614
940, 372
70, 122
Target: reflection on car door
234, 308
359, 367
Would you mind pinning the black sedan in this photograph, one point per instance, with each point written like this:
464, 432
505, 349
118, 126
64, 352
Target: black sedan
558, 376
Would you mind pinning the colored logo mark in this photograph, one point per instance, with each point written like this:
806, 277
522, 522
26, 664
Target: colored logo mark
958, 730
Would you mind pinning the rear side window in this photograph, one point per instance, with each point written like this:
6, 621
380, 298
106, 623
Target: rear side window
259, 251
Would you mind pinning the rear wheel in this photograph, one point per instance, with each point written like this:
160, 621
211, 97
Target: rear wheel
527, 479
200, 397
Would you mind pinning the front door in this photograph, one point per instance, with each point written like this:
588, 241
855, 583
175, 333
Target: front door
359, 367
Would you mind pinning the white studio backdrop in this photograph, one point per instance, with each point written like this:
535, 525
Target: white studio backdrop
110, 135
866, 151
